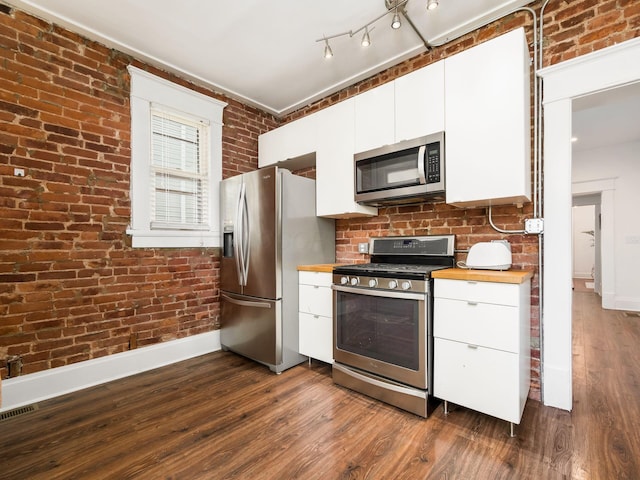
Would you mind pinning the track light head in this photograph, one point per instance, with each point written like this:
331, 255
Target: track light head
395, 23
328, 53
366, 40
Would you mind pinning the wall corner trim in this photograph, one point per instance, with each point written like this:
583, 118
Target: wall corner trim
40, 386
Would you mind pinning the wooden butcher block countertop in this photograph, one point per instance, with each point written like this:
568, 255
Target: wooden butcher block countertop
506, 276
320, 267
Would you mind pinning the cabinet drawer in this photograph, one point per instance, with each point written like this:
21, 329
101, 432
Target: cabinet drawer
484, 324
316, 337
322, 279
486, 292
316, 300
479, 378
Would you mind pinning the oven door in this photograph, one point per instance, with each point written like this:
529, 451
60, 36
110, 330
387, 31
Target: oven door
385, 333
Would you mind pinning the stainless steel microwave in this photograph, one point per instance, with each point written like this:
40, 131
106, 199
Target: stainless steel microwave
406, 172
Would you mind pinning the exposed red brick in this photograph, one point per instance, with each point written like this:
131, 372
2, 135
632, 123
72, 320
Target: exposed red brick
64, 116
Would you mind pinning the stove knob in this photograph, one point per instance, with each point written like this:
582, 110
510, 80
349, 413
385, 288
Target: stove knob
373, 282
406, 285
393, 284
344, 280
355, 281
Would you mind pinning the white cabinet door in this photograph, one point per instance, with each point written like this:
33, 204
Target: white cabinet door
289, 141
419, 102
335, 182
487, 123
479, 378
375, 118
484, 324
318, 279
316, 337
473, 291
316, 300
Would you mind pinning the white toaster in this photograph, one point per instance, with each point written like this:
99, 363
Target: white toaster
493, 255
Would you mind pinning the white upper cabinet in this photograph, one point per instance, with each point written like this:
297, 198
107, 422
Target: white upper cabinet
334, 164
419, 102
487, 123
292, 140
375, 118
409, 107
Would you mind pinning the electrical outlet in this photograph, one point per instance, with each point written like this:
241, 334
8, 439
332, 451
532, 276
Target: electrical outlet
534, 225
363, 247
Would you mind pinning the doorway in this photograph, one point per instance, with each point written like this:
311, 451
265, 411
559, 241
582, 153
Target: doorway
584, 246
563, 83
587, 242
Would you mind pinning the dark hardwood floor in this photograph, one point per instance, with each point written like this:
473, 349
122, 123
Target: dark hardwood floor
220, 416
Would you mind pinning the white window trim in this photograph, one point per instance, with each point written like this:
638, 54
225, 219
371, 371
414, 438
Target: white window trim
148, 89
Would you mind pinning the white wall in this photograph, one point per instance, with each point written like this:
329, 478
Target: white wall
621, 162
584, 256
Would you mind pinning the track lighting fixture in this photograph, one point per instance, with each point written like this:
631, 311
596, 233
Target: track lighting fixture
395, 6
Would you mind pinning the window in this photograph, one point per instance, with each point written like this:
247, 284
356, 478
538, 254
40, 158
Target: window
176, 166
178, 173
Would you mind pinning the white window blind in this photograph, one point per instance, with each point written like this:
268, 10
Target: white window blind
179, 174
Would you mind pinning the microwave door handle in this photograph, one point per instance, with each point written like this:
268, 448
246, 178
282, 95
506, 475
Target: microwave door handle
422, 177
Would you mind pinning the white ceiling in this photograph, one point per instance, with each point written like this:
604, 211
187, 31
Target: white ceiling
265, 53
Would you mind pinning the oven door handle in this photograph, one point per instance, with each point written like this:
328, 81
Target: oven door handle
380, 293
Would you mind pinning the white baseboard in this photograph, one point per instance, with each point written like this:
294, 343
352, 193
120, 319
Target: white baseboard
629, 304
39, 386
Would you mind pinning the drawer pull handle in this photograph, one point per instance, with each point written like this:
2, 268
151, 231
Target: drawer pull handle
316, 316
472, 303
470, 282
474, 347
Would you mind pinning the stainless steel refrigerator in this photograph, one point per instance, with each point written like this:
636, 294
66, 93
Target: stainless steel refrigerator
269, 227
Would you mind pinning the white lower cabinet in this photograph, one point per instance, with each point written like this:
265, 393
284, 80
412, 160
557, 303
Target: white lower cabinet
481, 345
316, 315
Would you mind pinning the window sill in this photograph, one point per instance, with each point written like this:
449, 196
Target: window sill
173, 239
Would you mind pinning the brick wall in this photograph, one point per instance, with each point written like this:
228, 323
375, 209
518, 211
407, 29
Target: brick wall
71, 286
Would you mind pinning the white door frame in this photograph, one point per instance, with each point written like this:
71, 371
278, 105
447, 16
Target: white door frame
607, 68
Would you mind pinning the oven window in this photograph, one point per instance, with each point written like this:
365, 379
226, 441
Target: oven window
385, 329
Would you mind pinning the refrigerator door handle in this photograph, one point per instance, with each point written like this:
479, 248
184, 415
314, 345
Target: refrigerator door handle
245, 303
238, 238
246, 237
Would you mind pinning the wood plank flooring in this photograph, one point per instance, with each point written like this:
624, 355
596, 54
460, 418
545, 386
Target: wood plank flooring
221, 416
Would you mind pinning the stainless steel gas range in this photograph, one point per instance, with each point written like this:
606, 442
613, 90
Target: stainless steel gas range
383, 320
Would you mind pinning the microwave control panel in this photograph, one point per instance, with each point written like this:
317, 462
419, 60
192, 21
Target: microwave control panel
433, 162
